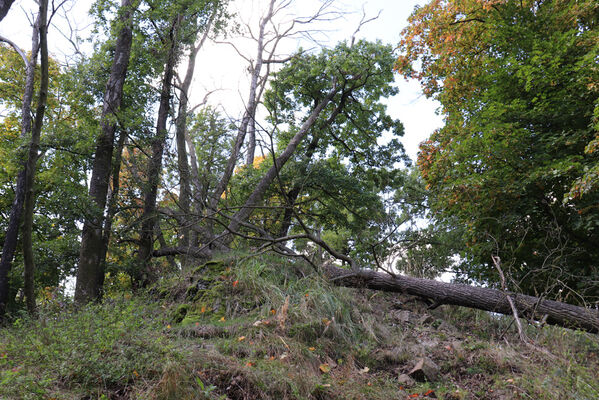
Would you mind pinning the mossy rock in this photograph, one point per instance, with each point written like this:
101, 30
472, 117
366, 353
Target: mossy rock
180, 313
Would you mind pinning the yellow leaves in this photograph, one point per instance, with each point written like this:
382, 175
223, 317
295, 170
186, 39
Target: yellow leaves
325, 368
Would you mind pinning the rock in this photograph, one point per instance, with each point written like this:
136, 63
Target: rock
425, 370
406, 380
403, 316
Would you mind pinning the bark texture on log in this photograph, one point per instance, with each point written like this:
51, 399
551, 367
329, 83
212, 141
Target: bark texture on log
556, 313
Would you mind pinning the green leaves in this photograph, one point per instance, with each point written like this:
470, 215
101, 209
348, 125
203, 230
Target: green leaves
514, 81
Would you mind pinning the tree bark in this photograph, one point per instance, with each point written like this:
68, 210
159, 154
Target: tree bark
149, 217
4, 7
554, 312
87, 287
112, 207
16, 211
28, 258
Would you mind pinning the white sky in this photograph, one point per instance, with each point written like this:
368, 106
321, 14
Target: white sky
219, 67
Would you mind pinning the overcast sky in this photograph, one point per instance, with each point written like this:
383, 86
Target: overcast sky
220, 67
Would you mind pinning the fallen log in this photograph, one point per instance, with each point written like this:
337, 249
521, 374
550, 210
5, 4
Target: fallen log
553, 312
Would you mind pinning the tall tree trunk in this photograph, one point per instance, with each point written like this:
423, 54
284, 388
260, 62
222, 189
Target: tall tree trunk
28, 258
90, 256
553, 312
256, 196
16, 211
185, 240
149, 217
112, 205
4, 7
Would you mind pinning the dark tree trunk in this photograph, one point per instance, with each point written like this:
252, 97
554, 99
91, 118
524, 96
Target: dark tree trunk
4, 7
297, 186
553, 312
92, 247
149, 217
16, 211
28, 258
112, 206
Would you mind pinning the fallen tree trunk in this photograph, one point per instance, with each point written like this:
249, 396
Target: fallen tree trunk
553, 312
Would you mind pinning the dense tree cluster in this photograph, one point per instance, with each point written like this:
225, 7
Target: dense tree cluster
124, 175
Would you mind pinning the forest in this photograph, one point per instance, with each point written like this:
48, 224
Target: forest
138, 216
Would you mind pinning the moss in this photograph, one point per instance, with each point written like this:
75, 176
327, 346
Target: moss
180, 313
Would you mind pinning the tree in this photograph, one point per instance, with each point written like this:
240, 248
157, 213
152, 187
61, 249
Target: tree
90, 272
516, 82
25, 177
185, 19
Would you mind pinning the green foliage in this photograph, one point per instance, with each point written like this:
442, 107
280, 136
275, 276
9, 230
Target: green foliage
341, 168
516, 81
61, 171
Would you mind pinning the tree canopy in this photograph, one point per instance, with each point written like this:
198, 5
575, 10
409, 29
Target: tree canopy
514, 166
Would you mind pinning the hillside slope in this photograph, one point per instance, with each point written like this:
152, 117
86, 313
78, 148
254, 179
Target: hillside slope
264, 328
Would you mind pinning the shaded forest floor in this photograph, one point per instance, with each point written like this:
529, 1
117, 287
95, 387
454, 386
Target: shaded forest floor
265, 329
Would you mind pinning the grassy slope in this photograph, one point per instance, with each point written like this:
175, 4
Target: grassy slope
260, 329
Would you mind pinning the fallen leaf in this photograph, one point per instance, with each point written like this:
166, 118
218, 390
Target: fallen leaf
325, 368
